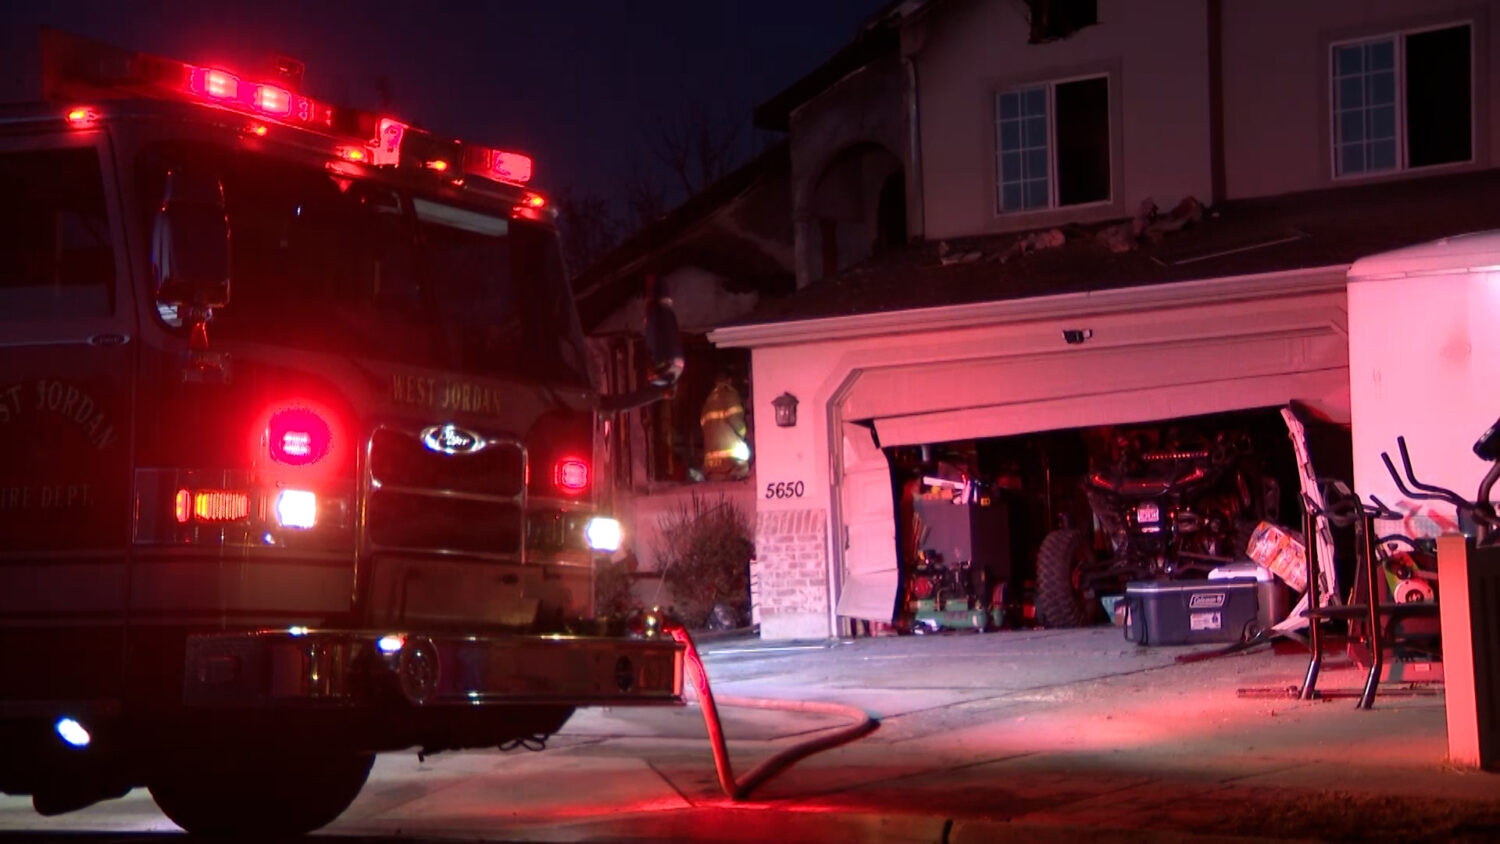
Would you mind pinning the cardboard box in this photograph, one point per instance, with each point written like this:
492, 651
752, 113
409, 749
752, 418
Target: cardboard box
1281, 551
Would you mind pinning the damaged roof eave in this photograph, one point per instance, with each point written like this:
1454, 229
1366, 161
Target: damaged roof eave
1311, 280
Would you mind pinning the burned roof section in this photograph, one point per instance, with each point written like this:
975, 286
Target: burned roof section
879, 35
719, 229
1243, 237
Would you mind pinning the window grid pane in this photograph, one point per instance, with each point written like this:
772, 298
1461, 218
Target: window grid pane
1364, 94
1022, 156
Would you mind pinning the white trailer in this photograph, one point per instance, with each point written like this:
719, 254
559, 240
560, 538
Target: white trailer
1424, 363
1424, 354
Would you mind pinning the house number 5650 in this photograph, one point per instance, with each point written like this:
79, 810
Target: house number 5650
785, 489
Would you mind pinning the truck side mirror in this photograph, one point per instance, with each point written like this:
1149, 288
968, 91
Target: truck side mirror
663, 342
190, 245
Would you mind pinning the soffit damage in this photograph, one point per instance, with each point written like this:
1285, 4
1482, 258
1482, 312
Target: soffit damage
1294, 232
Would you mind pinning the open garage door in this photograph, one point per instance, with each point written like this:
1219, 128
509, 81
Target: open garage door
1003, 396
1238, 362
869, 573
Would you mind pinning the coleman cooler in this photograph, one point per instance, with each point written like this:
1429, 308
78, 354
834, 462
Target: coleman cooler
1191, 612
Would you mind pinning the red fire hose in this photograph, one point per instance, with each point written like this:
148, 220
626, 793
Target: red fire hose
863, 723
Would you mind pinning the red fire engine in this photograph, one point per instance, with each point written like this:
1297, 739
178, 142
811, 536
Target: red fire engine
296, 448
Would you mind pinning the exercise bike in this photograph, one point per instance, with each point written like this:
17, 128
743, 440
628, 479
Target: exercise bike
1477, 516
1483, 527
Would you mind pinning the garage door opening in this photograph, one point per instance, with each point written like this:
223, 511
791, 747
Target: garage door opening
1045, 527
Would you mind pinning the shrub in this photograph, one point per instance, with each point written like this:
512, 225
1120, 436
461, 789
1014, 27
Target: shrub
705, 558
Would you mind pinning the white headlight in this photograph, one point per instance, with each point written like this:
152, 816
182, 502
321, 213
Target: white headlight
73, 732
297, 508
603, 533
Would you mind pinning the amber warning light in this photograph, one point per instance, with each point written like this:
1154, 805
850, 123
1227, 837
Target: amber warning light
211, 505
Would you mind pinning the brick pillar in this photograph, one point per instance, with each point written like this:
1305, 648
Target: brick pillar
791, 563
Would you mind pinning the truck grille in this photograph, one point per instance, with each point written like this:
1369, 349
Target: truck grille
399, 459
425, 500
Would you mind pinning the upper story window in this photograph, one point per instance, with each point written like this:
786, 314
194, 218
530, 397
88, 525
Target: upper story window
1052, 145
1403, 101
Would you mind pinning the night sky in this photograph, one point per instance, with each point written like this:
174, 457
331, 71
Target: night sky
578, 84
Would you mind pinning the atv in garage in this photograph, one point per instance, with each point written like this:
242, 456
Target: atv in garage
1166, 504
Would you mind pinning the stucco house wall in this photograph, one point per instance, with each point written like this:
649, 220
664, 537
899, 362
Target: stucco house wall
1276, 89
863, 109
1155, 53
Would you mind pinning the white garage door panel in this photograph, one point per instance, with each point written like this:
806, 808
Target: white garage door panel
1327, 391
930, 387
867, 587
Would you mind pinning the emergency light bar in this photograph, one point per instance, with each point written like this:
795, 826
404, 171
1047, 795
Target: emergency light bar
75, 66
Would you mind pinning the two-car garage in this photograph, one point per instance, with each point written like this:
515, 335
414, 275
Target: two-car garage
872, 383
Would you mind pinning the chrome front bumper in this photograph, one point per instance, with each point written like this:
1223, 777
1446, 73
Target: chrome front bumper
309, 666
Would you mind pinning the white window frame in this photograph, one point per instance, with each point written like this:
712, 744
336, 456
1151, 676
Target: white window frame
1050, 88
1398, 41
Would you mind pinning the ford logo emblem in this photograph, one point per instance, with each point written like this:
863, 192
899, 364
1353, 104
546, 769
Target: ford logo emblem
451, 439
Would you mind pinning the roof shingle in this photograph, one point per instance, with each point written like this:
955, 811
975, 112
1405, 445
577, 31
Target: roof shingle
1243, 237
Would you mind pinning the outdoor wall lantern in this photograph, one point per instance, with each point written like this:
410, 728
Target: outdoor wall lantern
786, 410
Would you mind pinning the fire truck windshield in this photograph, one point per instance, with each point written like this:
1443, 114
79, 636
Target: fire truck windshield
330, 264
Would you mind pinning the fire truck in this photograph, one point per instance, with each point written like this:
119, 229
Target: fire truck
296, 448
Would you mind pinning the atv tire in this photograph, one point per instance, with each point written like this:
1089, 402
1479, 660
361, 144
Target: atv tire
1059, 562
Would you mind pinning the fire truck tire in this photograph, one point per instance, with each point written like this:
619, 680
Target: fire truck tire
255, 798
1059, 599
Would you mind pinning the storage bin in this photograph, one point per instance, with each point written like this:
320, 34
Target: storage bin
1191, 612
1274, 595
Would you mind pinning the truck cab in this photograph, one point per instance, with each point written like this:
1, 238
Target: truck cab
296, 448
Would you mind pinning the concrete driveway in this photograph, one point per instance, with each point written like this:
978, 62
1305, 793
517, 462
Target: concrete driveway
1025, 735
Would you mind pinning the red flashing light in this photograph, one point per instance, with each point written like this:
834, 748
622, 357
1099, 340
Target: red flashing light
225, 88
497, 164
571, 475
511, 166
387, 144
215, 84
358, 155
296, 443
257, 129
439, 165
534, 200
82, 117
298, 436
272, 100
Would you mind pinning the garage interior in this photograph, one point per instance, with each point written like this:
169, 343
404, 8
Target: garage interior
973, 515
